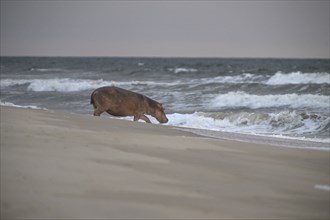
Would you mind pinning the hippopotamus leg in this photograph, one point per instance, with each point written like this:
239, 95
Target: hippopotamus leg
97, 112
143, 117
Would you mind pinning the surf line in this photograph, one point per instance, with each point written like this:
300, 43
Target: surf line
322, 187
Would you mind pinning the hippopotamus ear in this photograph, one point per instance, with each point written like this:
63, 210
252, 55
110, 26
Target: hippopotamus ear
161, 106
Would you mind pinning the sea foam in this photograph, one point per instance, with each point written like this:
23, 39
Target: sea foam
286, 122
9, 104
285, 125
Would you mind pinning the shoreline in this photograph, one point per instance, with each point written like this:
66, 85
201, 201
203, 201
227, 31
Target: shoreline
279, 141
62, 165
274, 140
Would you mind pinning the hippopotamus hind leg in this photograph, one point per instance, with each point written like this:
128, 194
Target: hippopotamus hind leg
97, 112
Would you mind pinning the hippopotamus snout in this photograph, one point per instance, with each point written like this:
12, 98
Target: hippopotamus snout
161, 117
160, 114
163, 120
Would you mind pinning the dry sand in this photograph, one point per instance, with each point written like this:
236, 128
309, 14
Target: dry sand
60, 165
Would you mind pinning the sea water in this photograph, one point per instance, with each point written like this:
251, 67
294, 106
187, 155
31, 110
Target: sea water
287, 98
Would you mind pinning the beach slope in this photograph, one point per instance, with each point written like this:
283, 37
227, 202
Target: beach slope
65, 166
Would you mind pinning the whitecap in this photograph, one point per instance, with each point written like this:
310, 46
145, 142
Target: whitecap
322, 187
281, 78
182, 69
242, 99
64, 85
46, 69
236, 79
13, 82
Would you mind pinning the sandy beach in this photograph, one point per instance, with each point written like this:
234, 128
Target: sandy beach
58, 165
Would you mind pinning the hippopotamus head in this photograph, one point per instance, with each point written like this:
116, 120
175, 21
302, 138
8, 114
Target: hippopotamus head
159, 113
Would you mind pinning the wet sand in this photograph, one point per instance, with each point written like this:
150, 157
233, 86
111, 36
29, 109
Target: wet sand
65, 166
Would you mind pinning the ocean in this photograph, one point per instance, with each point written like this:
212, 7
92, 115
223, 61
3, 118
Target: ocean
272, 98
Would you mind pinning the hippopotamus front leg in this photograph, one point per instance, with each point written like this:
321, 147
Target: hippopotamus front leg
143, 117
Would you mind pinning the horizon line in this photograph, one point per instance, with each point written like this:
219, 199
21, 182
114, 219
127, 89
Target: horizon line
166, 57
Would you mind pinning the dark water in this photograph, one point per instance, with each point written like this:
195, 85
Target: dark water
276, 97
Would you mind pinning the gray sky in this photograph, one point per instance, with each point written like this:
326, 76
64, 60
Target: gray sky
166, 28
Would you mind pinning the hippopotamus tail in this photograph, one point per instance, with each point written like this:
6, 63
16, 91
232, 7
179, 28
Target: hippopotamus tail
92, 100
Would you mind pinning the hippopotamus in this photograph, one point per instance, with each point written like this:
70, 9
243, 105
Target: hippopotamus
121, 102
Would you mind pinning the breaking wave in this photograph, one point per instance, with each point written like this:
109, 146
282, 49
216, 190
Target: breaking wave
299, 125
278, 78
281, 78
72, 85
245, 100
69, 85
